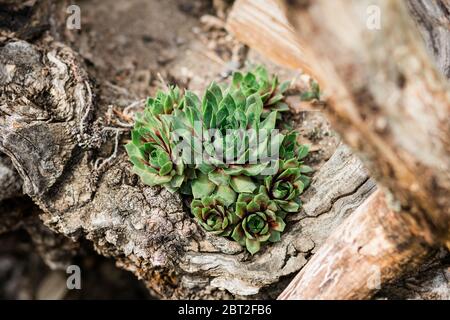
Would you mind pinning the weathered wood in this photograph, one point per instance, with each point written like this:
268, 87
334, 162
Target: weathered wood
388, 101
49, 130
360, 255
10, 181
430, 282
433, 19
263, 26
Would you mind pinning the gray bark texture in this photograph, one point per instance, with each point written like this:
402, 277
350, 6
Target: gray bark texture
73, 165
9, 179
53, 137
67, 148
433, 18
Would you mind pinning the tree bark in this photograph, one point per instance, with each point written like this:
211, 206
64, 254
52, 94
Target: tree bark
360, 255
56, 128
392, 105
9, 179
433, 19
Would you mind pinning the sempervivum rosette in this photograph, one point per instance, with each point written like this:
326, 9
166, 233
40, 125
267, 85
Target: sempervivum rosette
214, 216
259, 221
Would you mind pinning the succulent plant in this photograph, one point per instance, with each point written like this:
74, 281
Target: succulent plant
226, 153
165, 102
214, 215
291, 148
259, 221
268, 88
285, 187
151, 148
233, 139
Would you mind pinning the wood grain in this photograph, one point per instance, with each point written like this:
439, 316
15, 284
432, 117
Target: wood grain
360, 255
389, 101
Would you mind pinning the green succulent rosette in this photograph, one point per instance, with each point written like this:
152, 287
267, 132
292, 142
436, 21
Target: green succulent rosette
259, 222
231, 144
268, 88
165, 102
151, 149
224, 151
291, 148
214, 215
285, 187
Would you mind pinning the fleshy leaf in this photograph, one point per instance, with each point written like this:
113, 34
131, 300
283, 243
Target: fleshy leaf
275, 236
253, 246
219, 177
242, 184
151, 179
226, 194
306, 169
238, 235
303, 151
279, 225
290, 207
202, 187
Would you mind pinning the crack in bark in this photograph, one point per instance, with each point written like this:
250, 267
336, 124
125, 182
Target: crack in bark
341, 196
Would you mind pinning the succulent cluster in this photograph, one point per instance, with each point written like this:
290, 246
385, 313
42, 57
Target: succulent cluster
224, 151
268, 88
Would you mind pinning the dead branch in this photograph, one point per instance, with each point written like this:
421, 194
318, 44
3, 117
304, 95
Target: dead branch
360, 255
393, 107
